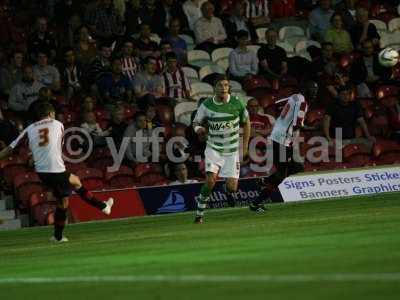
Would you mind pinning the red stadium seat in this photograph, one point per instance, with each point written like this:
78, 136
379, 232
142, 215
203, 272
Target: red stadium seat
123, 178
386, 152
41, 214
91, 178
11, 168
356, 154
25, 185
73, 168
146, 168
256, 83
386, 91
152, 179
314, 117
101, 158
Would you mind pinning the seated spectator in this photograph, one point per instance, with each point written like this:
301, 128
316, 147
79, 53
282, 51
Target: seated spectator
145, 45
88, 104
117, 125
261, 124
25, 92
42, 40
115, 87
130, 63
100, 65
176, 84
325, 65
208, 30
348, 12
11, 74
71, 73
238, 22
257, 12
192, 10
272, 58
85, 47
139, 147
366, 71
106, 22
165, 49
177, 43
93, 128
181, 175
243, 63
151, 116
148, 85
319, 20
344, 115
166, 11
338, 36
363, 30
132, 17
46, 74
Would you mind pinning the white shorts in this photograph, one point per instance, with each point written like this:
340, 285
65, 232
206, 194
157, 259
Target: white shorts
226, 166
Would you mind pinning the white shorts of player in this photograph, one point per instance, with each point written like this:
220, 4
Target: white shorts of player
226, 166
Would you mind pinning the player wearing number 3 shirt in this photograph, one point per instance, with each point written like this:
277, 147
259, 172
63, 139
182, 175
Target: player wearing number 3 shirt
45, 139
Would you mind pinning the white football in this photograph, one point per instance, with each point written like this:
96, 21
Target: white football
388, 57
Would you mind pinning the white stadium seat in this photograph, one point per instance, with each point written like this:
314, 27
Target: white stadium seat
303, 45
198, 58
236, 86
201, 89
380, 25
210, 69
261, 34
394, 25
287, 47
389, 39
220, 53
183, 112
191, 74
291, 31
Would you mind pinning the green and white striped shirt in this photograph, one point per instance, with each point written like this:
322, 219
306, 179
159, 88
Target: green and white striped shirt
223, 122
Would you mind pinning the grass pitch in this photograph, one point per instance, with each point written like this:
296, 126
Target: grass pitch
336, 249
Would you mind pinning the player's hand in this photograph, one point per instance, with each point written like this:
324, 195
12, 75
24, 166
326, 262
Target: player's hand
201, 131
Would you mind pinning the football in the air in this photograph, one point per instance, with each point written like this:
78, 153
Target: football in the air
388, 57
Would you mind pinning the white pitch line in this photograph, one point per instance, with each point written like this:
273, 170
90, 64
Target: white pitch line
289, 278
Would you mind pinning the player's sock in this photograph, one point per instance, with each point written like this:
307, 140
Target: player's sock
90, 199
60, 217
229, 196
202, 203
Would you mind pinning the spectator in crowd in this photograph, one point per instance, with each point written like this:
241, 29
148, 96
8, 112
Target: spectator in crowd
45, 95
42, 40
46, 74
115, 87
238, 22
192, 9
148, 13
11, 74
165, 49
272, 58
319, 20
88, 104
100, 65
338, 36
139, 147
71, 73
130, 63
366, 71
166, 11
181, 174
151, 116
93, 128
106, 22
345, 115
148, 85
145, 45
118, 125
208, 30
85, 47
261, 124
324, 65
363, 30
25, 92
178, 44
348, 12
132, 17
176, 84
243, 63
257, 12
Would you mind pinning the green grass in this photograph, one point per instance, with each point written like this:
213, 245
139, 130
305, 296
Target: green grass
355, 236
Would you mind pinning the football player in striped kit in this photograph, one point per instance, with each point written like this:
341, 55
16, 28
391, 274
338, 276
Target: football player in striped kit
284, 133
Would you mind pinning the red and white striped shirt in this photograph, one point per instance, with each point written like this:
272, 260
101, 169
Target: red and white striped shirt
176, 84
291, 118
130, 67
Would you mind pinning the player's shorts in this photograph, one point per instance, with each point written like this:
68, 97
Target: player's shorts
226, 166
58, 183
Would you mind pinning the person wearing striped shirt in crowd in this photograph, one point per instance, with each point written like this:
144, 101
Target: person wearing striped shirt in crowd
176, 84
284, 134
130, 63
222, 114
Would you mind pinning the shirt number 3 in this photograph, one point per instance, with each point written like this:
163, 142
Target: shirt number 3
43, 137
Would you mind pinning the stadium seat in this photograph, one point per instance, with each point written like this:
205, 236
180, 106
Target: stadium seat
261, 34
201, 89
198, 58
389, 39
236, 87
38, 198
287, 33
314, 117
152, 179
11, 168
142, 169
384, 91
356, 154
183, 112
220, 54
91, 178
25, 185
394, 25
386, 152
304, 44
380, 25
209, 70
123, 178
42, 214
253, 48
190, 44
191, 74
165, 114
287, 47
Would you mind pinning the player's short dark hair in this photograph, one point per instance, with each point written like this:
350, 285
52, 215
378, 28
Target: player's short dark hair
220, 77
44, 109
